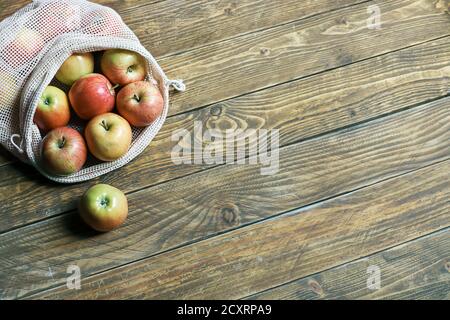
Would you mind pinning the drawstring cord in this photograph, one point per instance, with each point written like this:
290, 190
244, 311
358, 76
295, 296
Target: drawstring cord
13, 142
177, 84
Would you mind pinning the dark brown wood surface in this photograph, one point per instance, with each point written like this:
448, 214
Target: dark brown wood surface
364, 120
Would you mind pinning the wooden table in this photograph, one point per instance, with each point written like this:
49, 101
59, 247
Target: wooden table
363, 185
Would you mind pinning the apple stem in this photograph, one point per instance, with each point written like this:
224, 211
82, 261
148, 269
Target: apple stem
115, 86
104, 202
104, 125
62, 142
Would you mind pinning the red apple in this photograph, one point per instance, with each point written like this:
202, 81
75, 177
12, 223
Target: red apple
63, 151
24, 47
76, 66
122, 66
108, 136
140, 103
92, 95
103, 207
52, 110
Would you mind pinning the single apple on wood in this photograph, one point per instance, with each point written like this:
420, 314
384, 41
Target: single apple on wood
140, 103
52, 110
103, 207
92, 95
76, 66
122, 66
108, 136
63, 151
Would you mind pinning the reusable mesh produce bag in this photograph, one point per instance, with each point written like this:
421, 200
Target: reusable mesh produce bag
34, 42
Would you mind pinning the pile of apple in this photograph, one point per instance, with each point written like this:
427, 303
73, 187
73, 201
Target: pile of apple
93, 98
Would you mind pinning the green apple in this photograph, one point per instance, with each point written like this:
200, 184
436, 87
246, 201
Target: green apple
103, 207
123, 67
76, 66
25, 46
108, 136
52, 110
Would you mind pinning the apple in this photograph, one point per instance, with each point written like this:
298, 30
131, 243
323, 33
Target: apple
54, 19
108, 136
52, 110
76, 66
103, 207
7, 90
140, 103
63, 151
92, 95
104, 22
122, 66
24, 47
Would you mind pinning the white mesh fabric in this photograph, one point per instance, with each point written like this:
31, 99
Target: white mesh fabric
34, 42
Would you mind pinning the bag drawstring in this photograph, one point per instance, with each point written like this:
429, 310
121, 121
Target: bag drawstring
177, 84
13, 142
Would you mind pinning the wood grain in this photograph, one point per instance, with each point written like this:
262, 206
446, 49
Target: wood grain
170, 215
293, 50
300, 110
170, 26
262, 255
166, 27
419, 269
299, 49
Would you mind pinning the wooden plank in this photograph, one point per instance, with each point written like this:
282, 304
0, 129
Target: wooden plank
170, 215
300, 110
419, 269
169, 26
262, 59
262, 255
172, 26
166, 27
300, 44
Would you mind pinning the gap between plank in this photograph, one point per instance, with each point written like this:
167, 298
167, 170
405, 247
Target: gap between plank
263, 220
177, 53
352, 126
433, 233
277, 84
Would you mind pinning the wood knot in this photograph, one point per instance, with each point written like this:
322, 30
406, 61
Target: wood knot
345, 59
230, 214
343, 20
229, 11
352, 113
315, 287
216, 110
265, 51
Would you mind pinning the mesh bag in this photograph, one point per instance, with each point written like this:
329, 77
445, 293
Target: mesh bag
34, 42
